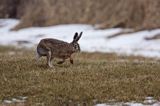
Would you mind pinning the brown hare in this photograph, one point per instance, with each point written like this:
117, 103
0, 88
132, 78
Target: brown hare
53, 48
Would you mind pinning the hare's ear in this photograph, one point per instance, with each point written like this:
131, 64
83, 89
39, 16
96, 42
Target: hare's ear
79, 36
75, 36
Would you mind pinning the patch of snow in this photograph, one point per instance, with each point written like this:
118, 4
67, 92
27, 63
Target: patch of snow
101, 105
135, 104
149, 101
92, 39
128, 104
156, 104
7, 101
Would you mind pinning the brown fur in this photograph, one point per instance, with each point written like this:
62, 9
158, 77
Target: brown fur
53, 48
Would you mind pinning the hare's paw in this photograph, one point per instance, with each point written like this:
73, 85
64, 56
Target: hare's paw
60, 62
71, 61
50, 65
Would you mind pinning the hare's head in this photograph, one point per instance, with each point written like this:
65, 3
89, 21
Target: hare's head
74, 43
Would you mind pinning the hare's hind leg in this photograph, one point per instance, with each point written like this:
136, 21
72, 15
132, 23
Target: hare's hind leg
37, 56
61, 62
49, 58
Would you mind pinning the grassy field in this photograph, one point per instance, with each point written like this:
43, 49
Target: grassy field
94, 78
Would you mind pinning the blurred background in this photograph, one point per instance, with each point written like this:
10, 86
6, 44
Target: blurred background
141, 14
135, 15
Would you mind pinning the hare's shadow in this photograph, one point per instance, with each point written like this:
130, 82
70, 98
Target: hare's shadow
42, 64
55, 65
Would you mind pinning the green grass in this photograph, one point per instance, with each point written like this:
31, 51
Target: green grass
94, 77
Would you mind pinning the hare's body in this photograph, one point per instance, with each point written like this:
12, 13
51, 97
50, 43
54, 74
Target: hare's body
53, 48
59, 49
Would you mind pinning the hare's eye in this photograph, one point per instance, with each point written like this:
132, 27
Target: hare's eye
76, 46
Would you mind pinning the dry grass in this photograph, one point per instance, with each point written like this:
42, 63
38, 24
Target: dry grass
138, 14
95, 77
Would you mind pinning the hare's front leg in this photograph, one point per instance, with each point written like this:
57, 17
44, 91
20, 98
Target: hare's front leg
49, 59
71, 60
61, 62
